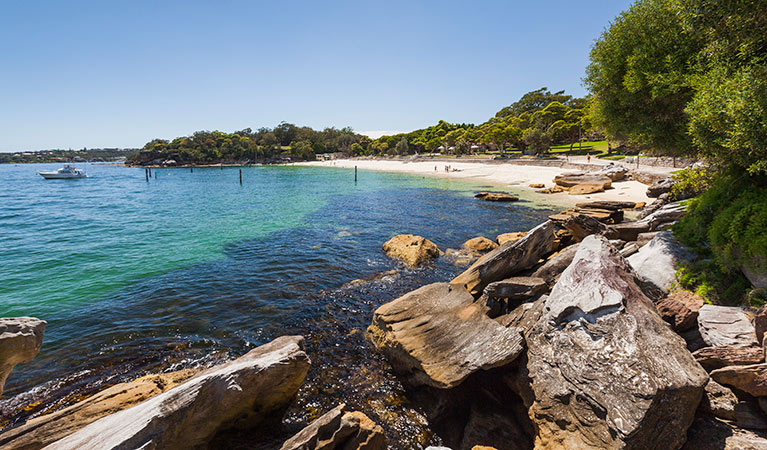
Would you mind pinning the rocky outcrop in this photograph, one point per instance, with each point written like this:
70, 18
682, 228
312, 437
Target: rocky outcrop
680, 310
605, 370
43, 430
555, 265
581, 225
657, 261
664, 215
510, 237
509, 259
612, 205
496, 197
602, 215
629, 231
718, 401
725, 325
438, 335
20, 340
585, 189
243, 393
503, 296
413, 250
660, 187
480, 244
751, 379
341, 430
712, 358
568, 180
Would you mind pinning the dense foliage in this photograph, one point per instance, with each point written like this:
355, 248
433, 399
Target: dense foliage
49, 156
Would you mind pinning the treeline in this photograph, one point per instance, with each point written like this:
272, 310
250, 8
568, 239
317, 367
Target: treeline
265, 144
50, 156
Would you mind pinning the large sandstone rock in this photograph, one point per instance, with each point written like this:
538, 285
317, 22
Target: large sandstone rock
509, 259
43, 430
629, 231
711, 434
666, 214
20, 340
480, 244
496, 197
413, 250
614, 171
503, 296
718, 401
605, 370
243, 393
585, 189
660, 187
751, 379
657, 261
555, 265
680, 310
438, 335
340, 430
613, 205
581, 225
573, 179
510, 237
712, 358
725, 325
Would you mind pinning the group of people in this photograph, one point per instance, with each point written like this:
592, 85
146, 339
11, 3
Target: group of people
447, 169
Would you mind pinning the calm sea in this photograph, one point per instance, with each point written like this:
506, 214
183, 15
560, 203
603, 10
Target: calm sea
192, 268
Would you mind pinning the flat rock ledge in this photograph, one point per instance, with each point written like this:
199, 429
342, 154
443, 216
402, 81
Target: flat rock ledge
413, 250
20, 341
341, 430
242, 393
605, 370
496, 197
438, 335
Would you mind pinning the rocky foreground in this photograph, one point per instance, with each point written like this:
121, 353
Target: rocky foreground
571, 335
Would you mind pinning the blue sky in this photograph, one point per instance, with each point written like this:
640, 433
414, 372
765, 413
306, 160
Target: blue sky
117, 74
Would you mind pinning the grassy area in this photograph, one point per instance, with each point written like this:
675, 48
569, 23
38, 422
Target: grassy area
585, 147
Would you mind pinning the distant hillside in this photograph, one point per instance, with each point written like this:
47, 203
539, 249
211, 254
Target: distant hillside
49, 156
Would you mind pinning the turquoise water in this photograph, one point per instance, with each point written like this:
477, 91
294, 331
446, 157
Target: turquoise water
192, 268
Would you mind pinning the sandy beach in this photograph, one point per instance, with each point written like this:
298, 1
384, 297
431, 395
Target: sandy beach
517, 178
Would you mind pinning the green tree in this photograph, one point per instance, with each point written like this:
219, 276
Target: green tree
401, 148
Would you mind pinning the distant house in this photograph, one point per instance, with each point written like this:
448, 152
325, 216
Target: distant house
329, 156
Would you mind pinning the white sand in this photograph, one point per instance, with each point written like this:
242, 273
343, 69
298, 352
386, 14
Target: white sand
505, 175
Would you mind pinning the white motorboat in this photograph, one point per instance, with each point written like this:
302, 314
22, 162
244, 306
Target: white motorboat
66, 172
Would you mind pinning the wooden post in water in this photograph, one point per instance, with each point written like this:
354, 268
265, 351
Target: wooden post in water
150, 172
355, 174
146, 173
191, 170
240, 177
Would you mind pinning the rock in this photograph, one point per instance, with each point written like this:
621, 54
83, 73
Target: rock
581, 225
756, 275
537, 185
614, 171
712, 358
660, 187
712, 434
341, 430
574, 179
503, 296
644, 238
725, 325
461, 257
509, 258
510, 237
629, 231
584, 189
553, 268
680, 310
496, 197
748, 415
437, 336
480, 244
20, 340
612, 205
43, 430
605, 370
242, 393
552, 190
629, 249
413, 250
602, 215
657, 261
666, 214
718, 401
751, 379
760, 323
482, 447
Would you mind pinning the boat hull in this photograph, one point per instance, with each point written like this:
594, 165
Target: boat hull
61, 176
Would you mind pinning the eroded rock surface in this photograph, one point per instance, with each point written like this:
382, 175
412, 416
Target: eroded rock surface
718, 401
340, 430
605, 370
20, 341
751, 379
725, 325
480, 244
657, 262
712, 358
496, 197
413, 250
680, 309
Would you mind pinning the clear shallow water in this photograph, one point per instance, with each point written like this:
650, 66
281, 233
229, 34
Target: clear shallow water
192, 268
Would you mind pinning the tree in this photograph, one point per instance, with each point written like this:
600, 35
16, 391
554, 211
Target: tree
401, 148
537, 140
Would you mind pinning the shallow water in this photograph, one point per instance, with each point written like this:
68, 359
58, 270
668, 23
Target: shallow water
194, 268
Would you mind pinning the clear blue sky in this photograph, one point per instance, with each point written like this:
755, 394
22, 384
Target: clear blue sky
117, 74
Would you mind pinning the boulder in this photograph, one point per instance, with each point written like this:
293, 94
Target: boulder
248, 391
510, 237
657, 261
680, 310
574, 179
553, 268
496, 197
644, 238
751, 379
413, 250
602, 215
629, 249
718, 401
581, 225
341, 430
480, 244
537, 185
629, 231
748, 415
660, 187
613, 171
503, 296
711, 434
664, 215
43, 430
20, 340
585, 189
438, 335
712, 358
605, 370
552, 190
760, 323
612, 205
461, 257
725, 325
756, 274
509, 258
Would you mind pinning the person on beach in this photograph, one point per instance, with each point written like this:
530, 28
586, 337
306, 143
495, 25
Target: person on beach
588, 157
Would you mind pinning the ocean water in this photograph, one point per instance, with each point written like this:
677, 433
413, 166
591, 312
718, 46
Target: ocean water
192, 268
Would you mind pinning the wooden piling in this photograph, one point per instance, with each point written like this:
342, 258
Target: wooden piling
240, 177
355, 174
146, 173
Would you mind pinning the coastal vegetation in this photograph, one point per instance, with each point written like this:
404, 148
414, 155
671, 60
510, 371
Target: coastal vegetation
51, 156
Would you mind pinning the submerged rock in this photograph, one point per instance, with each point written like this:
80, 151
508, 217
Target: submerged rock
413, 250
243, 393
438, 335
496, 197
20, 341
605, 370
341, 430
